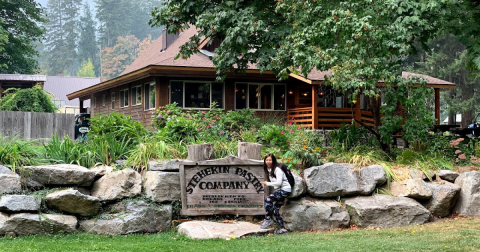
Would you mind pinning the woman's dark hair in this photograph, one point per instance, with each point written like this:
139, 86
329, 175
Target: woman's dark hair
274, 165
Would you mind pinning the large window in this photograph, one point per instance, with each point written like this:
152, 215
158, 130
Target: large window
260, 96
193, 94
123, 98
150, 96
136, 95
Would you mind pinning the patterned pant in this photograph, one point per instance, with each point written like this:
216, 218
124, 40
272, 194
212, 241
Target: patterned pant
273, 202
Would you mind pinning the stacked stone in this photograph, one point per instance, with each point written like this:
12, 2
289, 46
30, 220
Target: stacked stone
92, 202
339, 195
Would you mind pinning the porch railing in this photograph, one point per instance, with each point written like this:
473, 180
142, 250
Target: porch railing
327, 117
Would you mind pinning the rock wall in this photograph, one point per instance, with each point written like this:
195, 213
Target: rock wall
331, 196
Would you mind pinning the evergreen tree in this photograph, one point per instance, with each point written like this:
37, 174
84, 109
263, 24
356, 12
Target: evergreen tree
62, 36
447, 59
87, 46
20, 27
115, 17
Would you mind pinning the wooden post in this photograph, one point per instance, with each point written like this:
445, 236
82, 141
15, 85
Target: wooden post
249, 151
437, 105
357, 115
199, 152
314, 107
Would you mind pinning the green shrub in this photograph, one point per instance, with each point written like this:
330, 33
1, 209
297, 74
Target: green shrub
149, 148
117, 125
16, 152
68, 151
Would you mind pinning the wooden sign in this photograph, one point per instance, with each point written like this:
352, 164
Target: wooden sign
223, 186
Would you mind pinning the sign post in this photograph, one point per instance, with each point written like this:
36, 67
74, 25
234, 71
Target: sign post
223, 186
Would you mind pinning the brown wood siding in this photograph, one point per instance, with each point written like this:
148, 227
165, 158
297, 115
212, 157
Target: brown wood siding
229, 95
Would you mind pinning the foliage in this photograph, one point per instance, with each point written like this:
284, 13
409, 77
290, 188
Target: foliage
116, 58
362, 43
16, 152
86, 69
347, 137
20, 23
68, 151
418, 120
62, 36
116, 124
122, 17
148, 149
87, 44
27, 99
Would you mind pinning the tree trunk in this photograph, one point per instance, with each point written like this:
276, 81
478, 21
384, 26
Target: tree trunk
199, 152
249, 151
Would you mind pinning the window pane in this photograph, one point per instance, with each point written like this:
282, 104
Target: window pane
112, 99
122, 98
126, 98
305, 96
151, 100
279, 97
217, 94
241, 96
338, 102
176, 88
147, 96
266, 96
197, 95
253, 96
138, 95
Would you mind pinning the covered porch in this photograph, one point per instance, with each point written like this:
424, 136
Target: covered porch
318, 117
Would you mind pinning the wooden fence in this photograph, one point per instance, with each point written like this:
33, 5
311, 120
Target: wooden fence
36, 125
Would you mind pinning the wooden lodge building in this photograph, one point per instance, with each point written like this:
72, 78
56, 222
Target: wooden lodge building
155, 79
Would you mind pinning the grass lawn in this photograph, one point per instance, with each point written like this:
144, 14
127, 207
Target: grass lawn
447, 235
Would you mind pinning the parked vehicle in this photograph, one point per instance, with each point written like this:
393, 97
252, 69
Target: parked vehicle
82, 126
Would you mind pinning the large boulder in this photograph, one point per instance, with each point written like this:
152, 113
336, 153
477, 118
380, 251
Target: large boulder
162, 186
468, 202
444, 197
117, 185
74, 202
57, 175
166, 165
9, 181
332, 179
19, 203
412, 188
386, 211
300, 188
212, 230
448, 175
130, 217
303, 215
32, 224
101, 170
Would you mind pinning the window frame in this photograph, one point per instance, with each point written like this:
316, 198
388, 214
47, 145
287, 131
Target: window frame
149, 84
94, 101
247, 97
195, 81
103, 100
134, 95
112, 99
128, 103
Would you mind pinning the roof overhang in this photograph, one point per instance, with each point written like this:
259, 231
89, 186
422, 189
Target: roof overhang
166, 71
380, 84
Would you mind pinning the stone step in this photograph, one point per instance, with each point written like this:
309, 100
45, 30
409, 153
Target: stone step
211, 230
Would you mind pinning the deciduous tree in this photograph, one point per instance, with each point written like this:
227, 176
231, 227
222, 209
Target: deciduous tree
28, 99
363, 42
20, 22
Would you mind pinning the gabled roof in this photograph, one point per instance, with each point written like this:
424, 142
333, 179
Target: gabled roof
318, 77
154, 62
60, 86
